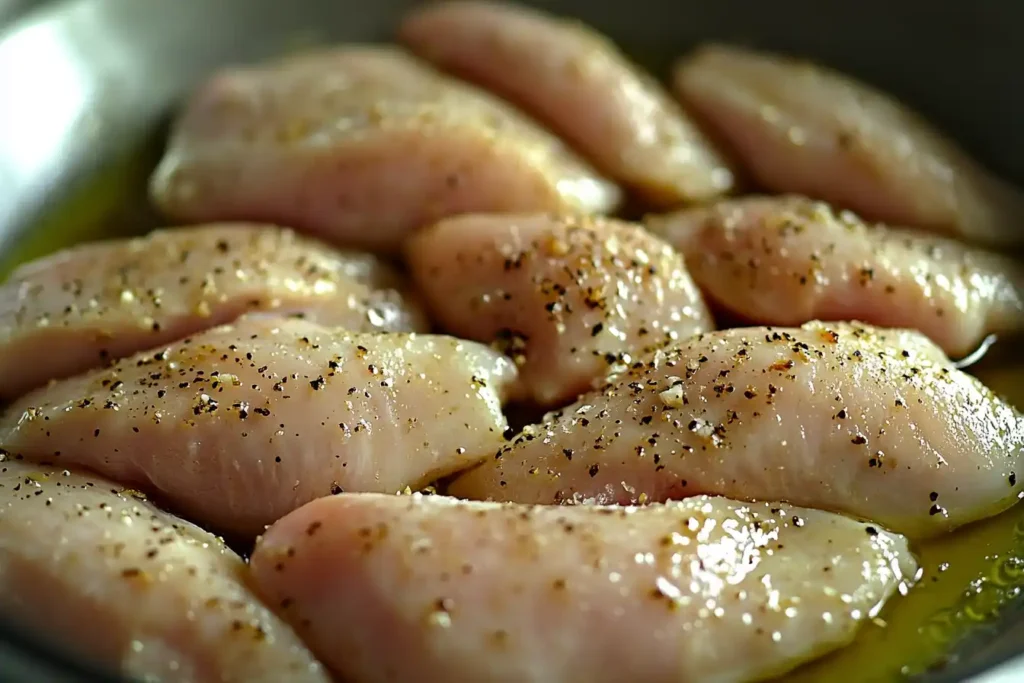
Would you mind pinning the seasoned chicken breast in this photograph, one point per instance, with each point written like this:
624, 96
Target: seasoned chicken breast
236, 426
802, 128
582, 86
839, 417
109, 576
706, 589
360, 145
85, 306
788, 260
570, 299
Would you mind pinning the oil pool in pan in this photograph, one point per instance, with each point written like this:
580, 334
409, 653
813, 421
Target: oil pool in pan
970, 578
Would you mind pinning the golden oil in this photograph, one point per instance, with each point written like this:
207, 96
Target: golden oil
970, 577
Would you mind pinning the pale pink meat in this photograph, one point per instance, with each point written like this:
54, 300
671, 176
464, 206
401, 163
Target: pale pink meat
85, 306
105, 575
872, 423
361, 145
788, 260
802, 128
410, 588
581, 85
569, 298
238, 425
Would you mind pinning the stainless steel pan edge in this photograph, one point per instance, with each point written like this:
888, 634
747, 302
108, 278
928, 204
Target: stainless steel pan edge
84, 85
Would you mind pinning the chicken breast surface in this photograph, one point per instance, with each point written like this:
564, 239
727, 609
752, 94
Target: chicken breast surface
788, 260
798, 127
241, 424
85, 306
109, 576
838, 417
570, 299
452, 591
361, 145
582, 86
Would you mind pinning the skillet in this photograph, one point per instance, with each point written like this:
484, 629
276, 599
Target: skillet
86, 87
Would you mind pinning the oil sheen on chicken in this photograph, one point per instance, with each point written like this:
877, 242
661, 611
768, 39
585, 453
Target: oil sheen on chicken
582, 86
241, 424
797, 127
107, 575
361, 145
470, 592
842, 417
85, 306
788, 260
570, 299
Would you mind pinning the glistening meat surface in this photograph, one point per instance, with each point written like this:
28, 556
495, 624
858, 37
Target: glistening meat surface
706, 589
582, 86
569, 298
241, 424
798, 127
362, 145
123, 584
82, 307
788, 260
842, 417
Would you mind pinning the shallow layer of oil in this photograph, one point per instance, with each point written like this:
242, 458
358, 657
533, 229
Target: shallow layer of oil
969, 578
106, 206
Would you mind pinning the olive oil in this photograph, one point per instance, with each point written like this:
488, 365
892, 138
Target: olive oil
969, 577
110, 204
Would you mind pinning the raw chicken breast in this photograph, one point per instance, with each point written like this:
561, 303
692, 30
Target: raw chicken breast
802, 128
838, 417
241, 424
569, 298
105, 574
84, 306
582, 86
707, 589
361, 145
788, 260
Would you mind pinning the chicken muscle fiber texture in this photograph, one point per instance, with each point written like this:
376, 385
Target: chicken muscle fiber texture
789, 260
107, 575
569, 298
84, 306
582, 86
361, 145
802, 128
707, 589
842, 417
241, 424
